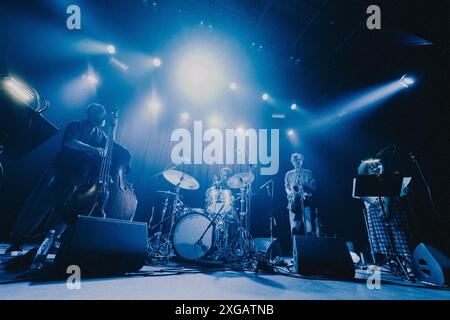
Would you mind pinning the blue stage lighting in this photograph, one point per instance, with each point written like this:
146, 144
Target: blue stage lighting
200, 75
294, 106
369, 98
406, 81
111, 49
92, 79
265, 96
18, 90
184, 116
157, 62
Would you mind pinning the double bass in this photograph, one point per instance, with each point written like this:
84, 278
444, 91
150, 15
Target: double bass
108, 194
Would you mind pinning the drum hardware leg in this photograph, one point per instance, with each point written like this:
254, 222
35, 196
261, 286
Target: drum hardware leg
199, 241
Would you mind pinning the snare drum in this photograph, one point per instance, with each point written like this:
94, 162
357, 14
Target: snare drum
187, 233
218, 198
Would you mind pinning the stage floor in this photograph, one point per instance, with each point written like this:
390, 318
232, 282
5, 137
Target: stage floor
164, 283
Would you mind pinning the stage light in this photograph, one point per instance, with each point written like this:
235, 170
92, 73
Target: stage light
154, 106
156, 62
291, 133
240, 130
185, 116
92, 79
406, 81
18, 90
233, 86
293, 106
265, 96
200, 75
215, 121
111, 49
366, 99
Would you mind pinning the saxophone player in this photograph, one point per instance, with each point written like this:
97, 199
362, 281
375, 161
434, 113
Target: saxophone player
299, 184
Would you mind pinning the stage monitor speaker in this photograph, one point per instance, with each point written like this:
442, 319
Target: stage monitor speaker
103, 246
322, 256
272, 248
431, 265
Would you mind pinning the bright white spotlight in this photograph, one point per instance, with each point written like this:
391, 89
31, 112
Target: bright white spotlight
406, 81
290, 133
18, 90
185, 116
216, 121
294, 106
200, 75
233, 86
111, 49
92, 78
240, 130
154, 106
265, 96
156, 62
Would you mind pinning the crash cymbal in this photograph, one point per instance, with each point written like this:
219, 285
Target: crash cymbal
240, 180
169, 193
181, 179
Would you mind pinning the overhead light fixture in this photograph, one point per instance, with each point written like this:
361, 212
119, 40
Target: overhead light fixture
157, 62
18, 90
111, 49
406, 81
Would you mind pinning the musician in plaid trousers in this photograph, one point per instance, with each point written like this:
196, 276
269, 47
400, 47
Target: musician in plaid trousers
375, 219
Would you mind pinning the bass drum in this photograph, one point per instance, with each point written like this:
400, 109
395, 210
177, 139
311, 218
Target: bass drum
187, 236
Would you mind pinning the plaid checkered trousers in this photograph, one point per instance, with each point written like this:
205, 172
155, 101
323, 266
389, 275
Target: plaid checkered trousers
398, 225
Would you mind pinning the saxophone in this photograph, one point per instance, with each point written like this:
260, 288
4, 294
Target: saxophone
297, 200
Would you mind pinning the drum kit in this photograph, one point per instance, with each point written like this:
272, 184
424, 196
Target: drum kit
218, 233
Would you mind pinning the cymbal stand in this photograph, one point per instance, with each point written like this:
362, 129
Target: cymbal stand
160, 245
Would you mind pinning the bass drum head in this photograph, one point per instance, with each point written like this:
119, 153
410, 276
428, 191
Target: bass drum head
187, 233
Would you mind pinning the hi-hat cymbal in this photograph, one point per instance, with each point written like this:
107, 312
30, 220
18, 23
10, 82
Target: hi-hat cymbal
240, 180
181, 179
169, 193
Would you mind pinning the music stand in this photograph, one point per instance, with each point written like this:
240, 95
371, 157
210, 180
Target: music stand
383, 185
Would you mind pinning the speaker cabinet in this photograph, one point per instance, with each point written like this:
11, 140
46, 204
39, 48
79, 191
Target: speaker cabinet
322, 256
103, 246
431, 265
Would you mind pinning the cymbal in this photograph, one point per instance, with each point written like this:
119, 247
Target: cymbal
240, 180
169, 193
181, 179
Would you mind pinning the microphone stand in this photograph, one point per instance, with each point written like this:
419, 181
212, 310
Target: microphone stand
271, 217
430, 197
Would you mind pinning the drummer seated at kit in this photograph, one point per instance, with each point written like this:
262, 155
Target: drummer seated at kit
221, 181
300, 181
218, 196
